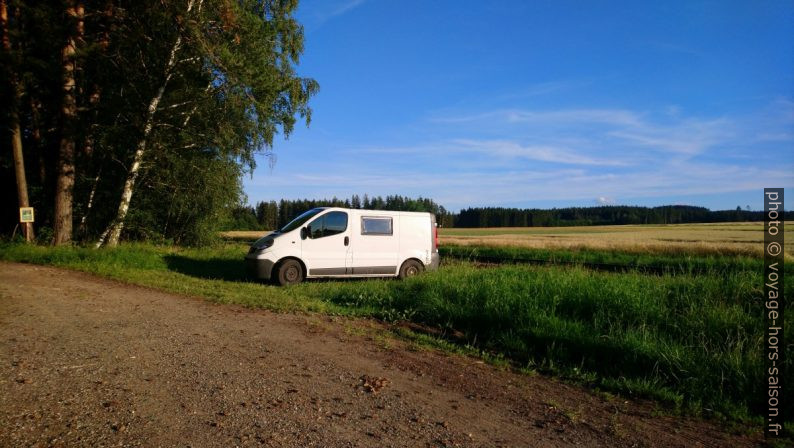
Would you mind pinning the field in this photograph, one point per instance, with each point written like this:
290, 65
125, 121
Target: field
725, 239
690, 337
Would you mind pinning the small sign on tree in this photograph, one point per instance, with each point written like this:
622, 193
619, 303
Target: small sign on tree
26, 214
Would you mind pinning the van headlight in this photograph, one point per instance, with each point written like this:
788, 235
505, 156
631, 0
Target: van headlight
260, 245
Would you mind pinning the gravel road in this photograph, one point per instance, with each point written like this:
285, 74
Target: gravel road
86, 361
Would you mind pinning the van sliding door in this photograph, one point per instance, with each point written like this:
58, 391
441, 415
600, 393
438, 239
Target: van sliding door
376, 245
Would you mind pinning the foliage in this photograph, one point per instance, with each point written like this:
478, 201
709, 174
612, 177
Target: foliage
185, 213
242, 218
231, 88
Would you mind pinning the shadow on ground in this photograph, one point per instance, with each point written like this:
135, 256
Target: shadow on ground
211, 268
232, 270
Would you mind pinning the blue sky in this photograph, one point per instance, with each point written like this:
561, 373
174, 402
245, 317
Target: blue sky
543, 104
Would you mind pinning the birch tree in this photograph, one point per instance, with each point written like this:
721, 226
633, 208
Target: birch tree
112, 234
247, 51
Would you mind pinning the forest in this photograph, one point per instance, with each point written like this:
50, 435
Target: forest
138, 119
602, 215
269, 215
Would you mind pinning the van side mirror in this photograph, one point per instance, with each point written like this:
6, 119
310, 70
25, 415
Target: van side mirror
304, 233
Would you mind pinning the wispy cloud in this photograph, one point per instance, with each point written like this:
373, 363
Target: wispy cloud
616, 117
629, 129
776, 137
321, 12
686, 137
590, 155
557, 117
542, 153
345, 7
496, 152
460, 189
541, 88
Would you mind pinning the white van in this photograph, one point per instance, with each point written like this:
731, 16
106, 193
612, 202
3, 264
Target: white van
340, 242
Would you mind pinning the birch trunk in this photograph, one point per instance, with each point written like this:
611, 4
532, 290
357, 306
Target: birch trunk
84, 220
110, 237
16, 133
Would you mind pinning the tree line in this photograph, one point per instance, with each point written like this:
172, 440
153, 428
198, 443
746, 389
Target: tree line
601, 215
139, 118
269, 215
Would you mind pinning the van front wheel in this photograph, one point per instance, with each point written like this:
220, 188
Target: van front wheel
410, 268
290, 272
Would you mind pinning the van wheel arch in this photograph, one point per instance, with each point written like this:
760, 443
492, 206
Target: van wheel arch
410, 268
277, 266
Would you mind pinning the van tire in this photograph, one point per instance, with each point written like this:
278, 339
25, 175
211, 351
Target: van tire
289, 272
411, 268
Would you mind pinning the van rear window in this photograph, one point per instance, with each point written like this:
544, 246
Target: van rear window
371, 225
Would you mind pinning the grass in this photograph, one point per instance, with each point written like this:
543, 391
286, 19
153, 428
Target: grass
692, 340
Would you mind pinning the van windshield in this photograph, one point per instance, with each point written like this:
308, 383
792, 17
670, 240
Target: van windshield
300, 220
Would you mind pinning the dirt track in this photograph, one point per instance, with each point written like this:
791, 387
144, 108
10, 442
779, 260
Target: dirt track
86, 361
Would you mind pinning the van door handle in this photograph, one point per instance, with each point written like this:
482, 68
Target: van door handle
347, 241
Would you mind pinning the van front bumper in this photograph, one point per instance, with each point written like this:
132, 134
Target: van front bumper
258, 268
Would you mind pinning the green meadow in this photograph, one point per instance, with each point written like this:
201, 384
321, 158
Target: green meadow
690, 338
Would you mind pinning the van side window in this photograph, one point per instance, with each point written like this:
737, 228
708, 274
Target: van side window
329, 224
371, 225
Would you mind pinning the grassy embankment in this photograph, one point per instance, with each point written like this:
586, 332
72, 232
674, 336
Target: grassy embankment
691, 340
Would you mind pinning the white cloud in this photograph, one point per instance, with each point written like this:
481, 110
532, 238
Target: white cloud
603, 200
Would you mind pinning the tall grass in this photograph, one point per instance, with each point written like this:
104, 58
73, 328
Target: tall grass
693, 340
